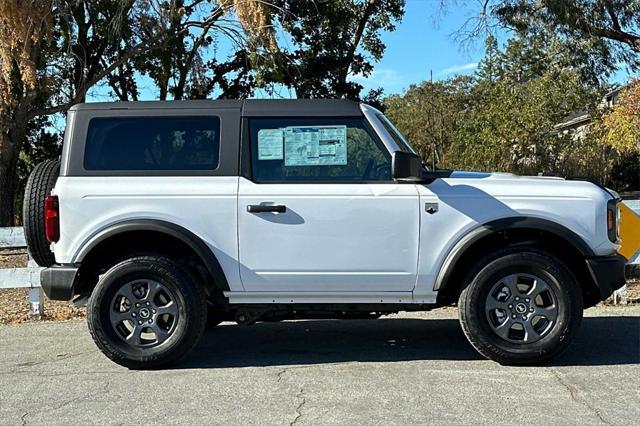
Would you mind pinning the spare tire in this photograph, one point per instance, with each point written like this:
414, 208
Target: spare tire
40, 183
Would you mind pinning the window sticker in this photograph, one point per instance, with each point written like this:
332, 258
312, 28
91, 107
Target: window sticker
315, 146
270, 144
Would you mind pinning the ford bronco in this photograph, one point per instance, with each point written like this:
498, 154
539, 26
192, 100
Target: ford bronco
166, 217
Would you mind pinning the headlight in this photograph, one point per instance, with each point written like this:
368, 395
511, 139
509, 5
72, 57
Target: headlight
613, 220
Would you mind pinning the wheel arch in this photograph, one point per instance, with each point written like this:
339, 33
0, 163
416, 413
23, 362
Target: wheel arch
152, 235
550, 236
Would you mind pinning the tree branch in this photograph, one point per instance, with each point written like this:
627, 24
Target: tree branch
82, 91
627, 38
357, 38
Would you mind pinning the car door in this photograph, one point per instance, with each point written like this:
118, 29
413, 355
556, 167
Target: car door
319, 212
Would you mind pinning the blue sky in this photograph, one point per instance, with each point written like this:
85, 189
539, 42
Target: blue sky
423, 43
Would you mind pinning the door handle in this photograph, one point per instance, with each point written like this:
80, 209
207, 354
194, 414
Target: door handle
266, 208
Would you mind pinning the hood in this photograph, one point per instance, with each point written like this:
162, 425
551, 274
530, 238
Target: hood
497, 178
459, 174
508, 183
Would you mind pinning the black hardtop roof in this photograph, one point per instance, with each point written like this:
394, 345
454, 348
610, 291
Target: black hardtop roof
249, 107
301, 108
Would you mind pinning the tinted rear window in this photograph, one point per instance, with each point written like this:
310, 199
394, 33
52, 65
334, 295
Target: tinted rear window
153, 143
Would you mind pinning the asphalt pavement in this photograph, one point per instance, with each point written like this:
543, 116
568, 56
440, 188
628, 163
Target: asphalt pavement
404, 369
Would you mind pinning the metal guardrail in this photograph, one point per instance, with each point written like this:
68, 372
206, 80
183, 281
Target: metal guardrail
29, 277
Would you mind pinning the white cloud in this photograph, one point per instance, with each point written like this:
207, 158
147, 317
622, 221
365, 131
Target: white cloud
387, 78
457, 69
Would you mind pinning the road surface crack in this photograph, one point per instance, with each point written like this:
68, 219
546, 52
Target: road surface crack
20, 367
23, 419
574, 392
303, 401
87, 397
281, 373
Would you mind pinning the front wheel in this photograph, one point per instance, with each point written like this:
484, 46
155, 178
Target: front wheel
147, 312
520, 306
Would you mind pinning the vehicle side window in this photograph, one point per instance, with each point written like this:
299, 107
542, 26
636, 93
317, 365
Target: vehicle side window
318, 150
152, 143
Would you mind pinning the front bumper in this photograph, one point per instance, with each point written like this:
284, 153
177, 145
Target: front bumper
608, 273
58, 281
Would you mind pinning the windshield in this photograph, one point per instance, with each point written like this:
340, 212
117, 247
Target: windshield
395, 134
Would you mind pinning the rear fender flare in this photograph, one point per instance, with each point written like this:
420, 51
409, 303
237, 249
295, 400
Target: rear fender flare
171, 229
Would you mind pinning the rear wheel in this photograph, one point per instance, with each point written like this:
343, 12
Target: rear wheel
40, 183
147, 312
520, 306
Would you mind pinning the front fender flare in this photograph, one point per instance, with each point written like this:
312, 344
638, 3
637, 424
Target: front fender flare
502, 225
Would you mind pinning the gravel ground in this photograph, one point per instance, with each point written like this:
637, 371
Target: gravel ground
14, 304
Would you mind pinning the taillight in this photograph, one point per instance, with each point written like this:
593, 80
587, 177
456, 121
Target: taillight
52, 218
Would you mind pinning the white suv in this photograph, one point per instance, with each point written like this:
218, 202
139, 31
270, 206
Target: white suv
167, 216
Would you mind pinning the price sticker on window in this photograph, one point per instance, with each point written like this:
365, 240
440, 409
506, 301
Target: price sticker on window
315, 146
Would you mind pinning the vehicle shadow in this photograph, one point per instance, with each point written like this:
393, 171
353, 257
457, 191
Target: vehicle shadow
601, 341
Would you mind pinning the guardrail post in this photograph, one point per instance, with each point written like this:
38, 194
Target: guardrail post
36, 305
620, 296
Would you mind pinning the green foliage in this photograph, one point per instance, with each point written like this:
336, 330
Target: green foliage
507, 116
604, 33
326, 42
42, 143
510, 125
621, 126
428, 115
625, 173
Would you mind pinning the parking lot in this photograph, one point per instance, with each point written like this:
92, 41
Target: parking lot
405, 369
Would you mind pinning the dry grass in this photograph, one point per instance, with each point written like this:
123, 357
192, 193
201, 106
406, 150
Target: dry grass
633, 292
14, 303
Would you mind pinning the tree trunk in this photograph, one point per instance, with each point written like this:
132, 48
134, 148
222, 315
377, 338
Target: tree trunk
9, 150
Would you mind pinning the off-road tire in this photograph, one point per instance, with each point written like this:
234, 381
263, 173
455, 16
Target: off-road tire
478, 285
192, 308
40, 183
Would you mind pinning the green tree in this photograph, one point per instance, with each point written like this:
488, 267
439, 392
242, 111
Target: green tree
428, 115
618, 132
52, 52
182, 63
602, 34
491, 66
505, 117
50, 55
25, 29
325, 44
511, 126
621, 126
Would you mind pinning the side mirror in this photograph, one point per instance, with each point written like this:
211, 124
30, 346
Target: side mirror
406, 166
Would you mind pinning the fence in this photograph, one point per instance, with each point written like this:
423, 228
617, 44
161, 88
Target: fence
29, 277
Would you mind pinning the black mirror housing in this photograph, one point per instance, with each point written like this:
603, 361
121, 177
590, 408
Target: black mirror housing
406, 166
